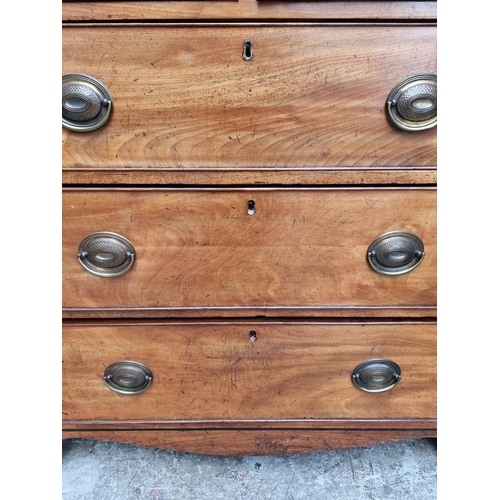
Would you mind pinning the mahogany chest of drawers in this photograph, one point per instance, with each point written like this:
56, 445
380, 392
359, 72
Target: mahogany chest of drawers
249, 224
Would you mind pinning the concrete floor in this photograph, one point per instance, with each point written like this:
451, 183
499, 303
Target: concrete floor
93, 470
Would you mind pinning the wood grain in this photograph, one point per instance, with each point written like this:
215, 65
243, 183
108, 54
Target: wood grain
245, 9
307, 110
199, 248
216, 372
241, 424
312, 96
265, 176
271, 442
327, 311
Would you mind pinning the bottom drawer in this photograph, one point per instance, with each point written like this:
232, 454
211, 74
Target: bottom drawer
248, 374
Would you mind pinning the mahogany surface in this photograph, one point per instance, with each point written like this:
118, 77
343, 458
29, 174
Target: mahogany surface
215, 371
224, 10
251, 442
200, 249
195, 133
311, 97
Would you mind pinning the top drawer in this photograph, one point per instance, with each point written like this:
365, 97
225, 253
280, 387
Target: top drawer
309, 96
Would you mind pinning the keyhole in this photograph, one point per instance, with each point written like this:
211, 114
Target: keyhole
247, 50
252, 336
251, 207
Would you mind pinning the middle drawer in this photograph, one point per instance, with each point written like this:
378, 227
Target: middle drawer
240, 251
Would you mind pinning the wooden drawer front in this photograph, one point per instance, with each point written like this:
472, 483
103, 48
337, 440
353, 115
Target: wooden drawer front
199, 248
214, 371
312, 96
247, 9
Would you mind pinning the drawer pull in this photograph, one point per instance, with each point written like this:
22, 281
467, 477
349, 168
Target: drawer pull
86, 103
376, 375
396, 252
247, 50
106, 254
412, 103
128, 377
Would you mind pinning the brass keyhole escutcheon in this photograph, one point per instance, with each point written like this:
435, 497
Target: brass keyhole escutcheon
247, 50
251, 207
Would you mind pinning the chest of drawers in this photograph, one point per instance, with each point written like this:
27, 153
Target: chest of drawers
249, 224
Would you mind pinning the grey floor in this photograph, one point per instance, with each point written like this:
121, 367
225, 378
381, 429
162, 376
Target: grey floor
93, 470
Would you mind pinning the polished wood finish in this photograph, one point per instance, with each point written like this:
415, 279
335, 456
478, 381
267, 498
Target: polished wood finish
251, 442
246, 9
312, 97
214, 371
208, 425
298, 312
264, 176
195, 133
200, 249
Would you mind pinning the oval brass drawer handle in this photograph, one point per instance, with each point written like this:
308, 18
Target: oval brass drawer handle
396, 252
128, 377
106, 254
86, 103
376, 375
412, 103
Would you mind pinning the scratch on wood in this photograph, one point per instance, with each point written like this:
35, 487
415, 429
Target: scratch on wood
99, 64
234, 373
368, 204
